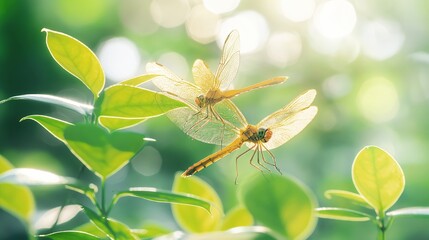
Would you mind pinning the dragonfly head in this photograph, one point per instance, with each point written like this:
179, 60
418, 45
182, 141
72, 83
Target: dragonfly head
264, 134
200, 101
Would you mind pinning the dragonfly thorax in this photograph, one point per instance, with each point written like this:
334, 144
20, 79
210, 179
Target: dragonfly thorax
255, 135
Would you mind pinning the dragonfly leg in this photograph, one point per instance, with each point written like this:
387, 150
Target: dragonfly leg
218, 117
251, 159
236, 162
263, 158
206, 119
274, 164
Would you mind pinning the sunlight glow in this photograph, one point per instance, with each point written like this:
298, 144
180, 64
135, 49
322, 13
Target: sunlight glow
337, 86
253, 29
169, 13
284, 49
221, 6
47, 219
202, 25
135, 16
120, 58
148, 162
335, 19
382, 39
377, 99
298, 10
176, 63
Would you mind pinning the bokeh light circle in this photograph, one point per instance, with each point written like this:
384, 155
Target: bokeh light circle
253, 29
120, 58
335, 19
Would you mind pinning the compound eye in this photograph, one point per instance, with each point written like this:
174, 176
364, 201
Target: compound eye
199, 101
267, 136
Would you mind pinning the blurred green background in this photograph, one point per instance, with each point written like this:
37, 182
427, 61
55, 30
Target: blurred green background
368, 61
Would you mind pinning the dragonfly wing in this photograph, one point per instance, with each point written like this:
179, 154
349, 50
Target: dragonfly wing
301, 102
203, 77
229, 62
203, 128
172, 84
290, 120
290, 127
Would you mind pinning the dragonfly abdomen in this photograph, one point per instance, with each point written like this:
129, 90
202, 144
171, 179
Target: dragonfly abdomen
212, 158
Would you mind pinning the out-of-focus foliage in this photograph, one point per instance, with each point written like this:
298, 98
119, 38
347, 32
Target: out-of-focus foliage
380, 182
372, 80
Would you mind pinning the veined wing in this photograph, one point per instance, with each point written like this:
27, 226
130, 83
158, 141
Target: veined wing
209, 129
203, 77
290, 120
299, 103
170, 83
229, 62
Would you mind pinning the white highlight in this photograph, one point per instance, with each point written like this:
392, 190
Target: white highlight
335, 19
382, 39
253, 29
221, 6
298, 10
120, 58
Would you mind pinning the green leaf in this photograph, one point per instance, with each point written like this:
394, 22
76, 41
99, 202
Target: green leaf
153, 194
33, 177
238, 233
54, 126
350, 196
133, 102
194, 219
411, 211
17, 200
81, 108
115, 123
138, 80
77, 59
69, 235
281, 204
114, 229
237, 217
92, 229
378, 178
101, 151
151, 231
342, 214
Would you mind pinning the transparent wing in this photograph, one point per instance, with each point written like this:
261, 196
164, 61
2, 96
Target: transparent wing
203, 77
172, 84
299, 103
229, 62
290, 127
290, 120
206, 128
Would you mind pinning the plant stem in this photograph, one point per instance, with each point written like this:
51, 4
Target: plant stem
381, 226
103, 197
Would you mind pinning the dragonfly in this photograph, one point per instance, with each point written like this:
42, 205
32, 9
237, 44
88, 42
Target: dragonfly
271, 132
209, 93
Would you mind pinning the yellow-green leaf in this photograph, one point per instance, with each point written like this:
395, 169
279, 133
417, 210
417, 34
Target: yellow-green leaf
114, 229
18, 200
54, 126
76, 58
378, 178
195, 219
281, 204
237, 217
115, 123
342, 214
101, 151
69, 235
138, 80
132, 102
350, 196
